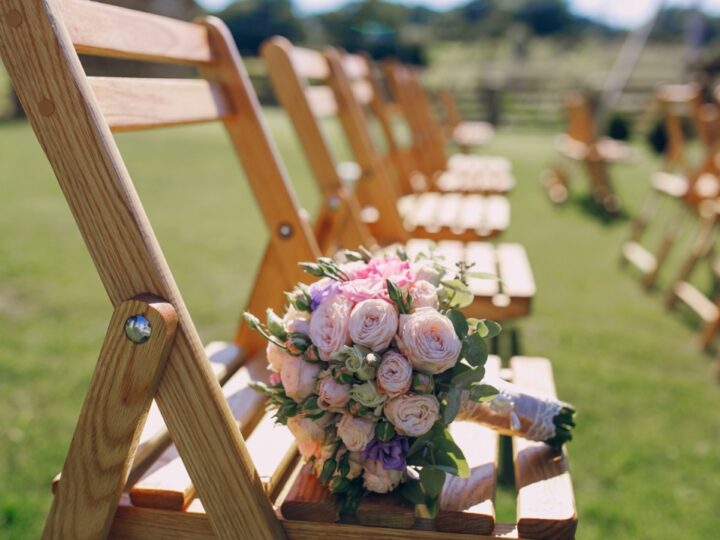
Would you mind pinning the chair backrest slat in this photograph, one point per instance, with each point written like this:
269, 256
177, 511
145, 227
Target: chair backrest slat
309, 64
132, 104
106, 30
321, 100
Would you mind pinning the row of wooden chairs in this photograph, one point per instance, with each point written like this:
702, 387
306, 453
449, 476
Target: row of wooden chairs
172, 442
691, 188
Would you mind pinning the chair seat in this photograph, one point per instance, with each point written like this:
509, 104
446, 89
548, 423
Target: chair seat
673, 185
476, 174
473, 133
473, 162
609, 150
508, 298
441, 216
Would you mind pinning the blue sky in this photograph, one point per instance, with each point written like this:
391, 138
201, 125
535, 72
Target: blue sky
623, 13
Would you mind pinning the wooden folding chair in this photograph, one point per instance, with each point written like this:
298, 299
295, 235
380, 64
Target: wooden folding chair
232, 460
464, 133
680, 181
582, 144
460, 172
292, 70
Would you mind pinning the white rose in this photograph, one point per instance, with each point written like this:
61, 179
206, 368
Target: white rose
378, 479
394, 374
329, 326
298, 377
332, 395
355, 432
373, 324
276, 356
424, 294
308, 434
426, 271
413, 414
296, 321
427, 338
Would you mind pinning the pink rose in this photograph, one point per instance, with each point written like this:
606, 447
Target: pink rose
394, 374
424, 294
329, 326
373, 324
296, 321
333, 395
426, 271
413, 414
378, 479
309, 434
355, 432
365, 289
427, 338
299, 377
399, 272
356, 270
276, 356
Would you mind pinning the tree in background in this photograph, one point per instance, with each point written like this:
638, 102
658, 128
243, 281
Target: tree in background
253, 21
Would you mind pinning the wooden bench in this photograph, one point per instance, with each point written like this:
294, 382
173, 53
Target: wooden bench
223, 477
582, 144
681, 182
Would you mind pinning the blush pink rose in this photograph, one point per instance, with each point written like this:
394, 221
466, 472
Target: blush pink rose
365, 289
299, 377
399, 272
373, 324
356, 269
276, 356
296, 321
378, 479
427, 338
309, 434
413, 414
424, 294
332, 395
329, 326
394, 374
355, 432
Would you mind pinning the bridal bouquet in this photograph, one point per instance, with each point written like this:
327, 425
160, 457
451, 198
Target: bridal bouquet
373, 361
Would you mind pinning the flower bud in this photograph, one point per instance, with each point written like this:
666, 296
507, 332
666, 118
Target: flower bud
423, 383
367, 394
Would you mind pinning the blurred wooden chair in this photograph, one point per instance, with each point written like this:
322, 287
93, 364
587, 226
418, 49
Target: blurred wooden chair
464, 133
582, 144
686, 184
232, 468
313, 87
459, 172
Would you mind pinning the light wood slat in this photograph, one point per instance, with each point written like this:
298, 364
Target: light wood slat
697, 301
355, 66
133, 103
483, 256
497, 214
515, 271
106, 30
474, 210
146, 523
467, 505
309, 64
545, 499
322, 101
639, 257
449, 212
274, 451
123, 383
167, 483
363, 91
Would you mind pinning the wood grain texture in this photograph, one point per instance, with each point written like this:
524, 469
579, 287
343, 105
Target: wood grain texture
106, 30
545, 498
121, 389
130, 104
50, 82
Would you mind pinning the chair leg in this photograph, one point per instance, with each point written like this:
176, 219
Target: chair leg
642, 219
669, 237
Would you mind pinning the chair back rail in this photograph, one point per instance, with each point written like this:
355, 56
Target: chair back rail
72, 116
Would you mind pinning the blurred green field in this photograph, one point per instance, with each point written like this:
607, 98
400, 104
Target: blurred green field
645, 460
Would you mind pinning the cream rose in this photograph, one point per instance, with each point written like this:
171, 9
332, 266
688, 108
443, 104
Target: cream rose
298, 377
428, 340
309, 434
296, 321
394, 374
355, 462
413, 414
373, 324
424, 294
329, 326
276, 356
378, 479
355, 432
332, 395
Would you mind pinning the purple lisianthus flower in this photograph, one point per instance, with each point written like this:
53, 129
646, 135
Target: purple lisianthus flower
322, 290
391, 454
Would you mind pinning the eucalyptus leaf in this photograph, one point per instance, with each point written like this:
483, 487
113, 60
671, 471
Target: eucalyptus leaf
482, 392
468, 377
475, 350
493, 327
413, 492
432, 481
460, 293
453, 405
459, 322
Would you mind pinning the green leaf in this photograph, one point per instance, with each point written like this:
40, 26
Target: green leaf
384, 431
459, 323
419, 443
413, 492
461, 296
482, 329
482, 392
468, 377
453, 405
432, 481
475, 350
448, 455
483, 275
327, 471
493, 327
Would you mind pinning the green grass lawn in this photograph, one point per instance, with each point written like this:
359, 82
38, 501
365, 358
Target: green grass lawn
646, 458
